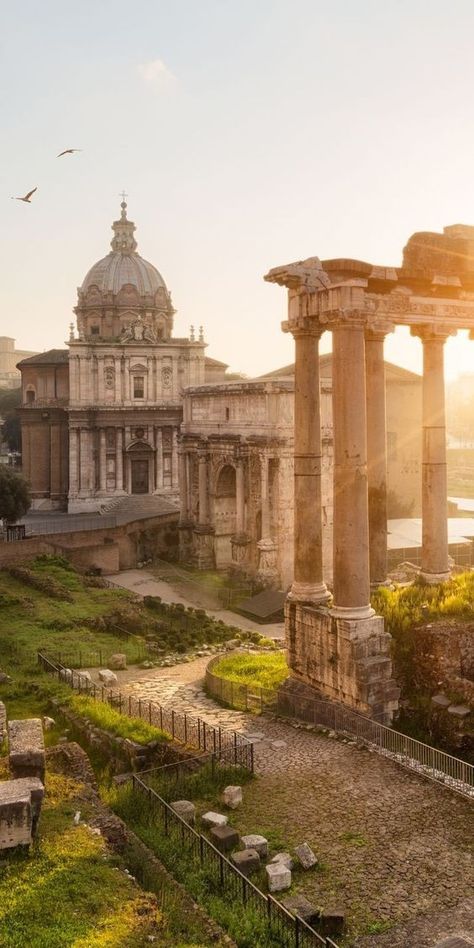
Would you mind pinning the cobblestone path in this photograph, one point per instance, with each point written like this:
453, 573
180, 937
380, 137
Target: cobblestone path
396, 851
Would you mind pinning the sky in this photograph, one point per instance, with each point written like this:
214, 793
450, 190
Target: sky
247, 134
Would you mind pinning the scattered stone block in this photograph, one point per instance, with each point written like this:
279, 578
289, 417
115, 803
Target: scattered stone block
185, 809
26, 748
48, 723
284, 858
225, 838
5, 679
306, 856
254, 841
247, 861
214, 819
20, 808
332, 922
108, 677
66, 674
232, 797
3, 721
459, 710
278, 877
303, 908
278, 744
118, 661
85, 675
440, 701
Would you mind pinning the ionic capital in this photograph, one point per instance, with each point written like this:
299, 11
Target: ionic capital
306, 328
377, 329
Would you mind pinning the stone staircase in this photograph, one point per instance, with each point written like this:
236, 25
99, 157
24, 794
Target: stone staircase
138, 507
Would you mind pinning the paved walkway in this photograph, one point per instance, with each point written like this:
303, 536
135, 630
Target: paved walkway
396, 852
175, 588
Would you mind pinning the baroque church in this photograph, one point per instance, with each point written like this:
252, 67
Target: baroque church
101, 418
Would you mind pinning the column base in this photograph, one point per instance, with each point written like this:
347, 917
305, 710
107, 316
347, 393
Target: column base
203, 547
346, 659
240, 543
352, 612
267, 573
309, 592
432, 579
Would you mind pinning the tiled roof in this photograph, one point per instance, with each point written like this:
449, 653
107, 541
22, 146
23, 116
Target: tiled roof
51, 357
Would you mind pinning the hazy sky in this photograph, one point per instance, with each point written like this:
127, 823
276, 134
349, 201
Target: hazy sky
247, 133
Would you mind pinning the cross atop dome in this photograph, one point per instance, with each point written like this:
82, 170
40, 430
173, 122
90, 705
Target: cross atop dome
123, 195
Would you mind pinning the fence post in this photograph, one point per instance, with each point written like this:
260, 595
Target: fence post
172, 723
149, 712
297, 932
120, 702
139, 707
204, 733
161, 717
213, 764
199, 732
129, 706
185, 728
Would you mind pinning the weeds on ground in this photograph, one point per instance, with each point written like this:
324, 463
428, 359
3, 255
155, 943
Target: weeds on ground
109, 719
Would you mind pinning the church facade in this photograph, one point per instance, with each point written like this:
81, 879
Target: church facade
101, 419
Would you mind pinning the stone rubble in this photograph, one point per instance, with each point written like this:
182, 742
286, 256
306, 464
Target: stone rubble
232, 797
278, 877
305, 856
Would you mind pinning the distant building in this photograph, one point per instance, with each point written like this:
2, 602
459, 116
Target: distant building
100, 419
10, 376
237, 464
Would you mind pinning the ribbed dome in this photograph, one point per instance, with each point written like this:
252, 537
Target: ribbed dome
124, 265
118, 268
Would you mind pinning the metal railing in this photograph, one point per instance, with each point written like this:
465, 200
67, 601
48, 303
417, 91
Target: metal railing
291, 931
227, 745
427, 761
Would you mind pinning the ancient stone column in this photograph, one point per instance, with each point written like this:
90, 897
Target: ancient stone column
100, 362
118, 379
73, 462
308, 585
434, 491
183, 488
159, 458
87, 473
376, 454
351, 515
265, 499
102, 460
174, 459
239, 498
119, 460
203, 495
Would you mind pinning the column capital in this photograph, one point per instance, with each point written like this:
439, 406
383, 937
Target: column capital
377, 329
433, 332
303, 328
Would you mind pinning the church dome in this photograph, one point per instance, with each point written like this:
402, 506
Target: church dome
123, 265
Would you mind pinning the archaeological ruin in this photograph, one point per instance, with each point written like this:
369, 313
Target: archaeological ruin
342, 648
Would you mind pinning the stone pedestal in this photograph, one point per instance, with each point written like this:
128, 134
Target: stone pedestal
346, 660
240, 544
267, 573
203, 546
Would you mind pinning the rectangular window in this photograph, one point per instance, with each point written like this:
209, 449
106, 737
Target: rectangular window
138, 386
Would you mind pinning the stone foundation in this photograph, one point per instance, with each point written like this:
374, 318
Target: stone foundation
346, 660
26, 748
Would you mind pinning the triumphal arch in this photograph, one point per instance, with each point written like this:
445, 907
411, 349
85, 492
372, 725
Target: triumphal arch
338, 644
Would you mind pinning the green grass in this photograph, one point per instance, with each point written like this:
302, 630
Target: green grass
68, 891
245, 925
109, 719
264, 670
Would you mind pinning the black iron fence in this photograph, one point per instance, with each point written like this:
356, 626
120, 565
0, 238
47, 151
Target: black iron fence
427, 761
288, 930
227, 745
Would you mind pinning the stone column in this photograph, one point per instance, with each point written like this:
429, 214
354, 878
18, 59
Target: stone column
240, 498
119, 459
376, 454
73, 462
102, 461
434, 492
174, 459
351, 515
265, 499
308, 584
118, 379
203, 491
267, 549
183, 488
86, 462
100, 362
159, 458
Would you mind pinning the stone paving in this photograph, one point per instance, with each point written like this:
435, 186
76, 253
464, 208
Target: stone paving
395, 851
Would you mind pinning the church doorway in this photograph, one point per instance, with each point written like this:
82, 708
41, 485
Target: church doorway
140, 476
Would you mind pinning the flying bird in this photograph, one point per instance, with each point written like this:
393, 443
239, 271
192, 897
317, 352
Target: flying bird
27, 197
68, 151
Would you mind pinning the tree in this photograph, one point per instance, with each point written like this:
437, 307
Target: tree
15, 500
10, 401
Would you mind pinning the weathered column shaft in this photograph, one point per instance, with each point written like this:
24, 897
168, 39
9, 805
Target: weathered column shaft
239, 498
351, 518
203, 495
119, 459
265, 532
308, 582
102, 460
159, 458
174, 458
434, 496
183, 488
376, 455
73, 461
